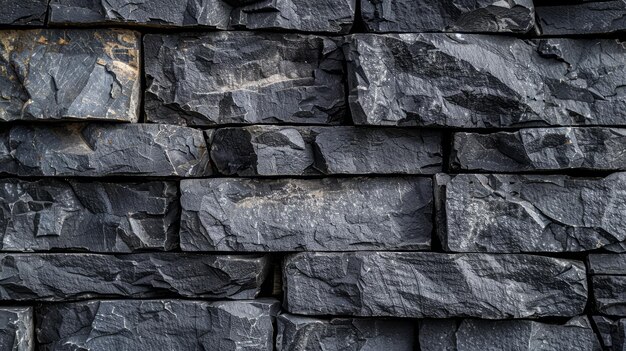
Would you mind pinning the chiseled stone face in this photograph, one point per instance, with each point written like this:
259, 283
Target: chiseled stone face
485, 81
434, 285
23, 12
331, 214
608, 279
243, 78
158, 325
17, 329
69, 74
589, 17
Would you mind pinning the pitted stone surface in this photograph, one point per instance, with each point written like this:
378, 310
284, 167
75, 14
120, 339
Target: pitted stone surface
23, 12
58, 74
590, 17
17, 329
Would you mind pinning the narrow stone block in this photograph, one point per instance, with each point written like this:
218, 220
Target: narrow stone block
17, 329
590, 17
608, 278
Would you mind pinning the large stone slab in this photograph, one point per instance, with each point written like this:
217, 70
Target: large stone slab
541, 149
17, 329
476, 81
98, 149
287, 150
312, 334
158, 325
591, 17
297, 15
234, 214
608, 278
517, 213
59, 74
481, 16
90, 216
59, 277
23, 12
519, 335
412, 284
243, 78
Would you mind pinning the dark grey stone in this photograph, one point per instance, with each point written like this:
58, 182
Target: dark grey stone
592, 17
619, 335
244, 78
519, 335
17, 329
233, 214
609, 283
541, 149
98, 149
334, 16
476, 81
516, 16
63, 276
517, 213
90, 216
23, 12
348, 334
157, 325
413, 284
604, 327
58, 74
286, 150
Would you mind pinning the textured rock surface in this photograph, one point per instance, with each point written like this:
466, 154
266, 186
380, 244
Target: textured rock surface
90, 216
23, 12
488, 81
516, 16
619, 335
311, 334
16, 329
52, 74
98, 149
609, 283
516, 213
538, 149
604, 327
593, 17
481, 335
300, 215
57, 277
157, 325
243, 77
278, 150
433, 285
296, 15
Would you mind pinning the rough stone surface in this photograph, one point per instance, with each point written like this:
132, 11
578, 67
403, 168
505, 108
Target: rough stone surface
278, 150
608, 279
593, 17
519, 335
311, 334
433, 285
98, 149
58, 277
23, 12
90, 216
232, 214
604, 327
297, 15
619, 335
475, 81
16, 329
54, 74
158, 325
537, 149
516, 16
517, 213
243, 78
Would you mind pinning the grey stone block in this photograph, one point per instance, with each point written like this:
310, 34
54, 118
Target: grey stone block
591, 17
17, 329
23, 12
608, 279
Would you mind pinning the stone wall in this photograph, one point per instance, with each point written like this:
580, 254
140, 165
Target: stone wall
323, 175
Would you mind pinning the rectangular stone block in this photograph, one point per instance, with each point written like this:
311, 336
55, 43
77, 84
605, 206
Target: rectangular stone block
519, 335
17, 329
287, 150
481, 16
433, 285
591, 17
158, 325
244, 78
89, 216
67, 74
519, 213
64, 276
234, 214
541, 149
334, 16
98, 150
609, 283
306, 333
23, 12
482, 81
